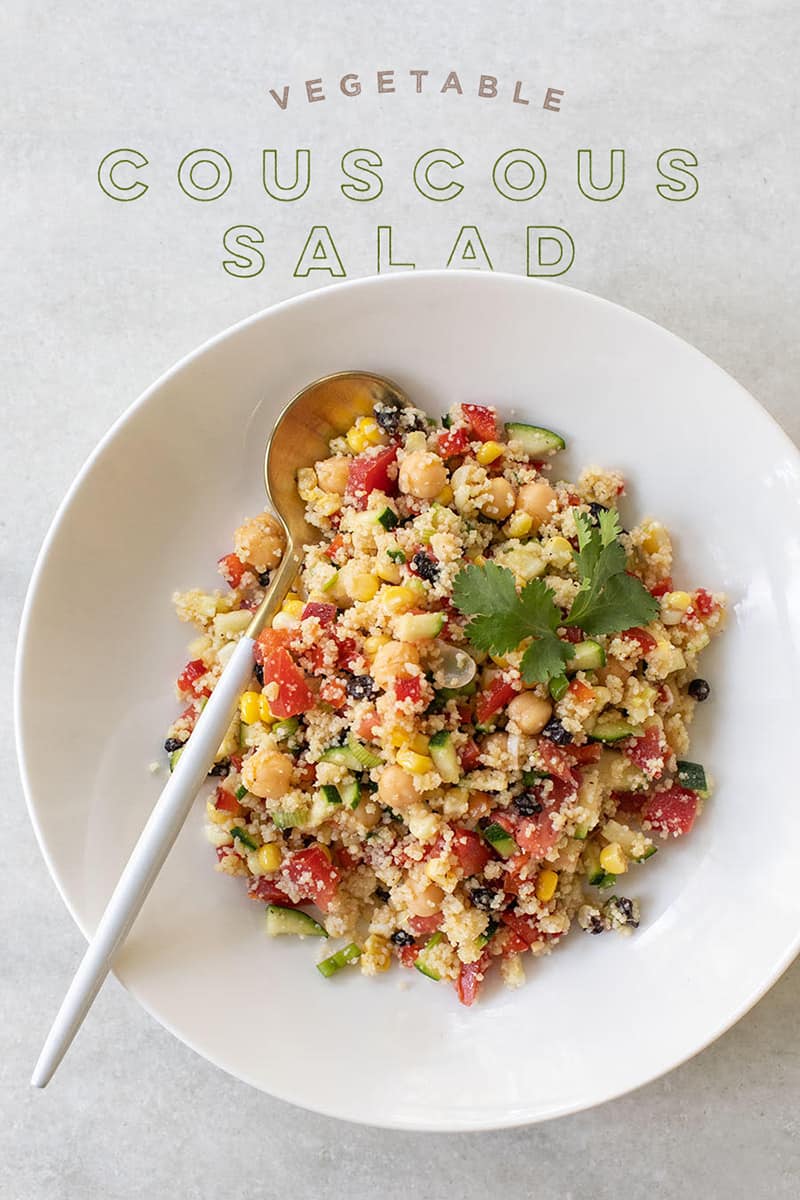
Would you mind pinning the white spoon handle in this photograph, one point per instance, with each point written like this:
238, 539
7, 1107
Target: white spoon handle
147, 858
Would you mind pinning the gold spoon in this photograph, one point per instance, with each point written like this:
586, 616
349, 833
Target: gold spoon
323, 410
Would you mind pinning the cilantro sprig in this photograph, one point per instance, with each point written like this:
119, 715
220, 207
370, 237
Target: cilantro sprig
607, 601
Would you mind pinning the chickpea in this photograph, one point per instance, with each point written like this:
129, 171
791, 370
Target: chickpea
500, 501
332, 474
422, 474
494, 746
367, 813
259, 542
531, 713
392, 660
396, 788
425, 898
615, 668
267, 773
534, 499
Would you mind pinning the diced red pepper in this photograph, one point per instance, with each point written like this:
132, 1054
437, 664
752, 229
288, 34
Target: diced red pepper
645, 641
268, 892
270, 640
346, 859
314, 875
348, 652
334, 546
453, 442
519, 870
408, 955
236, 762
333, 692
704, 602
671, 812
470, 977
367, 725
471, 851
514, 944
662, 587
647, 752
483, 421
224, 851
231, 568
469, 755
525, 927
225, 801
187, 680
408, 687
573, 634
371, 471
580, 691
495, 698
590, 753
536, 835
423, 926
556, 761
325, 613
294, 695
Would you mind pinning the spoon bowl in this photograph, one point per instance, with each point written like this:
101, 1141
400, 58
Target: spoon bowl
301, 436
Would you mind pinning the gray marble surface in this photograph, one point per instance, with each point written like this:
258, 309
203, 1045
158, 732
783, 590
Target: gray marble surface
98, 298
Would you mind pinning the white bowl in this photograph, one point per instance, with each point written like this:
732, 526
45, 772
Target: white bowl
100, 648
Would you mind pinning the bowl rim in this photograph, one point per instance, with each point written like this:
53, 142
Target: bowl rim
478, 279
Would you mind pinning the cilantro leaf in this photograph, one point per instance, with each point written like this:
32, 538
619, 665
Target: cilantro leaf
624, 602
545, 658
484, 589
608, 600
502, 619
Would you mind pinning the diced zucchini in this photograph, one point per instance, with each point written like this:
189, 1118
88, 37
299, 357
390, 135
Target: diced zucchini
529, 778
614, 729
418, 627
581, 832
420, 962
500, 840
484, 938
649, 852
396, 555
588, 656
330, 582
174, 757
282, 920
329, 966
595, 875
468, 689
241, 792
558, 686
365, 758
692, 775
244, 838
330, 794
284, 818
388, 518
286, 728
350, 793
534, 439
343, 756
443, 753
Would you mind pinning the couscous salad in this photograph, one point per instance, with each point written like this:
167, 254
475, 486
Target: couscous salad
467, 729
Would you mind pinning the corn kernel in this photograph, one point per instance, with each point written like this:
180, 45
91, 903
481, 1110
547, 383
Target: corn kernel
363, 587
356, 440
613, 860
264, 710
519, 525
373, 644
377, 954
655, 539
445, 495
488, 452
398, 599
388, 571
306, 482
415, 741
558, 551
327, 503
293, 607
417, 764
398, 737
674, 606
499, 660
268, 858
325, 850
216, 816
479, 560
249, 706
546, 884
368, 426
